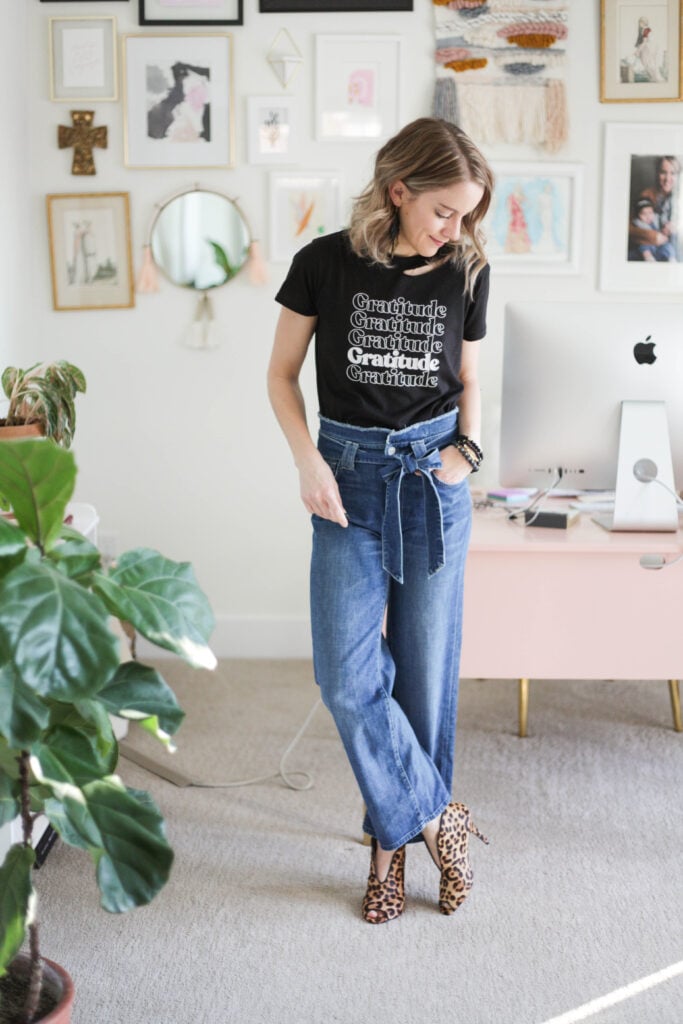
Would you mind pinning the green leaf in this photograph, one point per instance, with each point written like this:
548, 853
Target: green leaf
162, 600
16, 897
124, 832
9, 798
13, 546
55, 632
23, 715
140, 694
38, 478
75, 556
69, 755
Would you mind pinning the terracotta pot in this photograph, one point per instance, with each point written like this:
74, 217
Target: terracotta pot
24, 430
56, 983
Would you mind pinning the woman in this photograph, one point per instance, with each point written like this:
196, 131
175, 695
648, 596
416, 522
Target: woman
390, 301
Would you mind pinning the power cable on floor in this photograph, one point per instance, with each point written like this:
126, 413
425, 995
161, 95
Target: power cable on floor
170, 774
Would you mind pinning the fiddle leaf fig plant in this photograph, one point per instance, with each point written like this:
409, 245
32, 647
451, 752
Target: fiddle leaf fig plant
60, 679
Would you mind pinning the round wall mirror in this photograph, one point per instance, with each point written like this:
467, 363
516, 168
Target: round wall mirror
200, 239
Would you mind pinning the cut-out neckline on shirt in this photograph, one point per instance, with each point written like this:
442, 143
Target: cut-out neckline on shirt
416, 265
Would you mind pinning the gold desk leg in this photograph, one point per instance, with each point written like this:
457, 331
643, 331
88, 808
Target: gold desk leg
523, 706
675, 704
367, 840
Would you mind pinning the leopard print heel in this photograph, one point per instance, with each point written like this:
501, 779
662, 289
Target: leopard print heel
386, 899
456, 872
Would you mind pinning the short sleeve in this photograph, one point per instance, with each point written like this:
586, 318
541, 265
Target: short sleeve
298, 291
475, 313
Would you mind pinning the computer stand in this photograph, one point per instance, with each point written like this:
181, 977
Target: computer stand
640, 503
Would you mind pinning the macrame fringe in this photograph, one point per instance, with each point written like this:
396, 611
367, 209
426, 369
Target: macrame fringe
445, 101
257, 271
202, 332
535, 114
148, 278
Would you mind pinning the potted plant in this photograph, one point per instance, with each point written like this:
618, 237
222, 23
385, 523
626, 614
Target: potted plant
41, 400
61, 678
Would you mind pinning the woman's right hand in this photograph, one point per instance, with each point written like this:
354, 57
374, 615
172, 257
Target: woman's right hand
319, 490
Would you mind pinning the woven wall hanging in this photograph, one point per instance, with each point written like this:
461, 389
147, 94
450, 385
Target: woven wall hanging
500, 69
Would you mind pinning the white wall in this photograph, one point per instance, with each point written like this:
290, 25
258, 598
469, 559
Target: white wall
178, 448
14, 196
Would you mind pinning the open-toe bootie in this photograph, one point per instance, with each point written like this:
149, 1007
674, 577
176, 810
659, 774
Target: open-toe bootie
456, 872
385, 899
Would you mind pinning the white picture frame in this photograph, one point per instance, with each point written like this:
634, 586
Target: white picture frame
272, 130
162, 129
533, 223
303, 205
637, 189
357, 86
83, 61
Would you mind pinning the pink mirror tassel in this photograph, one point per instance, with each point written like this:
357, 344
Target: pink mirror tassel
148, 279
257, 271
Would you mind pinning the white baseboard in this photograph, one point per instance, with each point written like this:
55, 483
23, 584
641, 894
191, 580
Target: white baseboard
251, 637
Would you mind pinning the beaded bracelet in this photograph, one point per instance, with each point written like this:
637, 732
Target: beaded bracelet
470, 451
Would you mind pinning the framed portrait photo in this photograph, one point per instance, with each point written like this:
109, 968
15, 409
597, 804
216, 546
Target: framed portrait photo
303, 205
272, 130
83, 58
190, 12
357, 86
640, 51
642, 209
533, 224
90, 250
178, 100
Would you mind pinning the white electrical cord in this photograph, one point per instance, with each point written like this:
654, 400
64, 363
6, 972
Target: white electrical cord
512, 516
179, 779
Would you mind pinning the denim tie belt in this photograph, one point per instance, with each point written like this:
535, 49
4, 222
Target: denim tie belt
397, 453
418, 459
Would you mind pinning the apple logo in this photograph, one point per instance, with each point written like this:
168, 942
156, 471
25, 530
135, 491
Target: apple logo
644, 351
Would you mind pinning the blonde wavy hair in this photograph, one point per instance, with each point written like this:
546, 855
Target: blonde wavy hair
426, 155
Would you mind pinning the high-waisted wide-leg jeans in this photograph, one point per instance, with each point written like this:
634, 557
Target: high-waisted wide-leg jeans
392, 693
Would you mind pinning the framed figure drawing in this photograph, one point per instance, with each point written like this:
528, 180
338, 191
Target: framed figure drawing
357, 86
640, 51
90, 250
303, 204
178, 100
533, 223
642, 209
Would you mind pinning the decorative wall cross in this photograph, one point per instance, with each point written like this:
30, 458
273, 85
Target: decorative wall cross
82, 136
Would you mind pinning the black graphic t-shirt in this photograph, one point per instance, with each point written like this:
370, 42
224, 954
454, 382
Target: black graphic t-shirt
388, 344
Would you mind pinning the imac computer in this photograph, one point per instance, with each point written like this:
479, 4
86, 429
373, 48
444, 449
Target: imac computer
593, 394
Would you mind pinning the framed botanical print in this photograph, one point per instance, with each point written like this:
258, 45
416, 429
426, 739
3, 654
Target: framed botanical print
190, 12
642, 209
533, 223
640, 51
178, 100
272, 130
90, 250
303, 204
83, 58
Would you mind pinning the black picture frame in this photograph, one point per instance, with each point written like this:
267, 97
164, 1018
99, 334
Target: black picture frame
325, 6
80, 2
204, 22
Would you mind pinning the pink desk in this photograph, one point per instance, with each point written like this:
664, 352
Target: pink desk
571, 604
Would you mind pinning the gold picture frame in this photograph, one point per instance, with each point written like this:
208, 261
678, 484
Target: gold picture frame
640, 51
163, 128
91, 259
83, 58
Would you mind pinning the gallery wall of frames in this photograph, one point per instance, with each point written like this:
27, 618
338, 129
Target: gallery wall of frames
500, 71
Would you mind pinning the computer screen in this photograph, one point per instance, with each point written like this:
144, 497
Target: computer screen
567, 369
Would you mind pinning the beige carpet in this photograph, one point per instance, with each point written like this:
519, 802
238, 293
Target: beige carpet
578, 896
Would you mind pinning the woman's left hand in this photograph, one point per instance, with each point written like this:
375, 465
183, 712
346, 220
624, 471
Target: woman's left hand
454, 466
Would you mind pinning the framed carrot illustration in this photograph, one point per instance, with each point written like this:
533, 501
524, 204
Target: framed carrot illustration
302, 206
